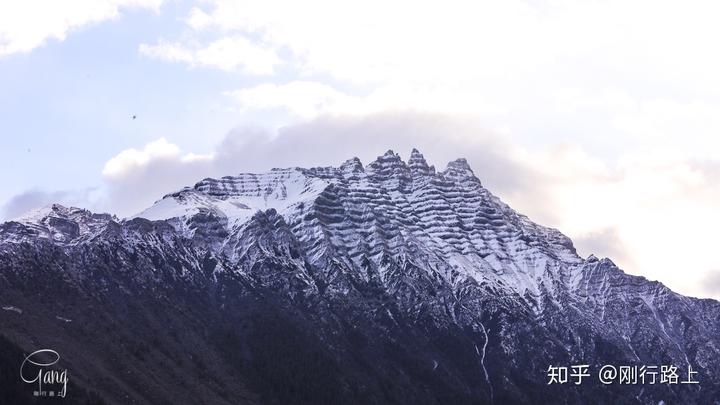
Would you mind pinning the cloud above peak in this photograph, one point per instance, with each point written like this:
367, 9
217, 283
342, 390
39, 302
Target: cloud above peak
582, 71
471, 42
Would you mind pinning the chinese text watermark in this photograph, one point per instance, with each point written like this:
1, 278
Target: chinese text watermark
630, 375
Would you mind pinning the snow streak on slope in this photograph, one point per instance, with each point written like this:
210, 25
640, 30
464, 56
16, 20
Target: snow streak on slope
237, 198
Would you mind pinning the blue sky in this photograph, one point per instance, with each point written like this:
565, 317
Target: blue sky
597, 118
67, 106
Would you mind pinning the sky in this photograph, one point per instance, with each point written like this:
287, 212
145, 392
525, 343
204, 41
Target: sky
598, 118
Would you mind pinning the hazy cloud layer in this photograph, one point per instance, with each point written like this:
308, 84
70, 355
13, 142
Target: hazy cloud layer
32, 199
605, 243
711, 283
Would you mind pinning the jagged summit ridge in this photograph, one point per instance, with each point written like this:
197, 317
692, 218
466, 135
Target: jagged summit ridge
418, 166
386, 209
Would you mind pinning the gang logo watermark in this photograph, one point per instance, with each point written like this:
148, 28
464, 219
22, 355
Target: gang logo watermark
629, 375
36, 369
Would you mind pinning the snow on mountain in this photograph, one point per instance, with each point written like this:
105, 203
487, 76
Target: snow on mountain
55, 223
387, 207
392, 271
237, 198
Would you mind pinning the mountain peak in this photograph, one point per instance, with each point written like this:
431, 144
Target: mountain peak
459, 169
58, 223
388, 166
37, 215
352, 165
460, 163
418, 165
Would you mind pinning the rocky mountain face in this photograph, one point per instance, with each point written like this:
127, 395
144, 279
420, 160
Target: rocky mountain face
378, 284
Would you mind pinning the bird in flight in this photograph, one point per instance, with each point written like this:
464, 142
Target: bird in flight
134, 116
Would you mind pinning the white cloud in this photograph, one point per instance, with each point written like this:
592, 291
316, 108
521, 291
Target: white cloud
28, 24
627, 71
461, 40
229, 53
130, 160
662, 212
198, 19
301, 98
375, 40
309, 99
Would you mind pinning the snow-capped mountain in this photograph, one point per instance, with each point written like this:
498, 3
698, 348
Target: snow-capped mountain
385, 283
388, 210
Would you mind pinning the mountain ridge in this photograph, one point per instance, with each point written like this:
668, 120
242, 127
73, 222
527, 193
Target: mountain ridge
411, 253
